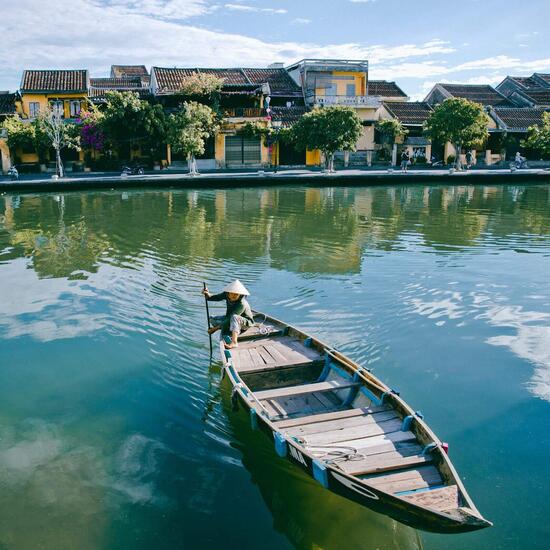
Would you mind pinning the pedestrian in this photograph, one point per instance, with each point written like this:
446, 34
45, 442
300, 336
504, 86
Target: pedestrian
469, 158
238, 316
405, 159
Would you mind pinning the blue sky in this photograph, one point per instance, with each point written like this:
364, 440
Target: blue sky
415, 43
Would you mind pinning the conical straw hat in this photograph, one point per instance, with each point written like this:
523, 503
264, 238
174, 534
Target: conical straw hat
237, 287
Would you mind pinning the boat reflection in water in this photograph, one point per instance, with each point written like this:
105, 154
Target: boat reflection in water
308, 515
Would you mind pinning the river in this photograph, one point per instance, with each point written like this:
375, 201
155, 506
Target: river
116, 433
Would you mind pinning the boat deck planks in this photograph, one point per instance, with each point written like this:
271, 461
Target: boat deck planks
445, 498
353, 432
272, 352
314, 418
331, 385
408, 480
383, 463
342, 423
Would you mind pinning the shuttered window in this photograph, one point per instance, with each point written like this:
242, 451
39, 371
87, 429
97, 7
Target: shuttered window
243, 150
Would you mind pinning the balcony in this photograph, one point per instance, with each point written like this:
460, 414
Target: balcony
244, 112
351, 101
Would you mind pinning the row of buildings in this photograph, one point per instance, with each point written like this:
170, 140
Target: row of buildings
277, 96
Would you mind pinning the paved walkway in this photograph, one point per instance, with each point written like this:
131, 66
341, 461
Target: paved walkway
260, 178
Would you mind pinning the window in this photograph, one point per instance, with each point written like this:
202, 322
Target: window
350, 90
75, 108
34, 109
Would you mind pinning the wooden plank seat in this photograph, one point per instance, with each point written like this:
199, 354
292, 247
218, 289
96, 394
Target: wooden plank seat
333, 415
316, 387
365, 419
407, 480
385, 462
442, 499
272, 352
354, 432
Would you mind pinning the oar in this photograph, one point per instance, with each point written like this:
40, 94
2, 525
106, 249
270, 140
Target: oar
207, 316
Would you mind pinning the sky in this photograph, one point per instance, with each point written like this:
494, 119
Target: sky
415, 43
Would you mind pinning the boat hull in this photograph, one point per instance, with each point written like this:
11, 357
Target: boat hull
370, 497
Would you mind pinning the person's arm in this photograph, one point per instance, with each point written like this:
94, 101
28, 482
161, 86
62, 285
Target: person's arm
216, 297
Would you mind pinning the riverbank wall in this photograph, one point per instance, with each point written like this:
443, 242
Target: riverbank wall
263, 179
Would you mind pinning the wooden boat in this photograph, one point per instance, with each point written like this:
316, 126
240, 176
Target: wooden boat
346, 428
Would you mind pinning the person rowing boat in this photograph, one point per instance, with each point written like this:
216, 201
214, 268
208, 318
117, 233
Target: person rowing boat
238, 316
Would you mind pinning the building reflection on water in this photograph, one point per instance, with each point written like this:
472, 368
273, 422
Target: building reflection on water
302, 230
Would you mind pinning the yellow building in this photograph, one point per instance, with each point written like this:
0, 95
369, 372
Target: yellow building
344, 82
64, 91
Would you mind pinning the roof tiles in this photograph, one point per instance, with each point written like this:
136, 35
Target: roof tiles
409, 113
479, 93
55, 81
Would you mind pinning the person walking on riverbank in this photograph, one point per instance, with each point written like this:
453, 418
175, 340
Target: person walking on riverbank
238, 316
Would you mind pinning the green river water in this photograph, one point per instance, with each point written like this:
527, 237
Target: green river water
115, 432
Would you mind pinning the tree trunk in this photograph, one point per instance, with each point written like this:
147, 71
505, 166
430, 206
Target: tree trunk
192, 165
394, 155
331, 163
458, 149
58, 164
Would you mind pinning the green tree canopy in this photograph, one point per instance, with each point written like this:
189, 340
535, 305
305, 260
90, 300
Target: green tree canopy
459, 121
26, 136
190, 127
128, 119
329, 129
538, 137
390, 130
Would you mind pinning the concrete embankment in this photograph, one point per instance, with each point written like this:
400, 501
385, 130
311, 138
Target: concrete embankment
262, 179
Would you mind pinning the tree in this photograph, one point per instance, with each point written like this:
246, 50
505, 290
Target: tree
330, 129
61, 134
538, 137
459, 121
130, 120
202, 87
390, 131
189, 128
26, 136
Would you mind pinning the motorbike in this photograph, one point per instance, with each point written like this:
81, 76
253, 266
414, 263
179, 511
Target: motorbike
134, 170
13, 173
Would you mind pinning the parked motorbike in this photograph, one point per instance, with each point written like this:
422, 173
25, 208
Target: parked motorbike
134, 170
13, 173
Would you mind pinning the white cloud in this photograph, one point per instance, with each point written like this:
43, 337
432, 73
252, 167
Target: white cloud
300, 21
245, 7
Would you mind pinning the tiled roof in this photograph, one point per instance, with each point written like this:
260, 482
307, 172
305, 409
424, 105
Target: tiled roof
116, 83
525, 81
287, 115
231, 77
480, 93
121, 71
520, 118
170, 80
539, 96
545, 77
7, 104
280, 82
55, 81
383, 88
239, 80
98, 95
409, 112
